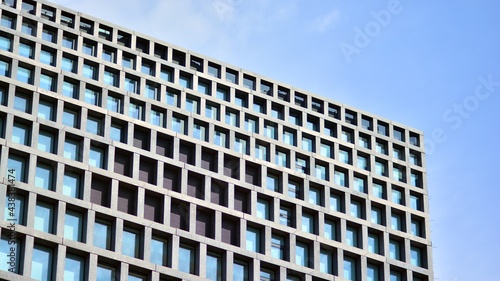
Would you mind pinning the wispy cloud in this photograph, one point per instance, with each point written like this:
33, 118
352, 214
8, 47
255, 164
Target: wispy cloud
324, 22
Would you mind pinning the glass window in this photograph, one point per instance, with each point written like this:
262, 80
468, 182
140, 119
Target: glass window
92, 97
415, 180
396, 222
270, 131
44, 217
394, 249
416, 228
21, 133
187, 259
232, 118
281, 158
166, 74
117, 133
363, 142
350, 269
251, 125
330, 230
314, 196
373, 243
321, 172
214, 267
42, 263
131, 85
340, 178
8, 21
47, 57
262, 209
220, 139
307, 144
200, 132
70, 118
14, 210
72, 149
395, 276
231, 76
301, 165
108, 55
335, 202
178, 125
4, 68
325, 150
344, 156
253, 239
372, 273
347, 136
376, 215
294, 190
151, 91
26, 50
148, 68
185, 81
97, 157
128, 62
211, 111
105, 273
28, 28
5, 43
261, 152
240, 272
46, 110
114, 104
301, 254
277, 247
397, 197
415, 202
94, 125
308, 223
272, 183
362, 162
416, 256
158, 251
71, 184
10, 248
204, 88
286, 216
380, 168
69, 42
415, 158
359, 184
172, 98
240, 145
102, 235
110, 78
289, 137
378, 190
44, 176
18, 164
351, 236
73, 225
90, 71
24, 75
325, 261
131, 243
135, 111
356, 209
157, 118
47, 82
222, 94
74, 268
381, 148
70, 90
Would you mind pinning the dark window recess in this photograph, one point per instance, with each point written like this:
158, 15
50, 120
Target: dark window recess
241, 200
142, 138
209, 160
147, 170
179, 215
218, 193
196, 186
153, 207
179, 58
164, 146
171, 176
252, 174
204, 223
100, 191
229, 231
186, 153
126, 199
123, 162
142, 45
160, 51
232, 167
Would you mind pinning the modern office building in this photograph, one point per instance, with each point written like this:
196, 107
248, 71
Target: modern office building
123, 157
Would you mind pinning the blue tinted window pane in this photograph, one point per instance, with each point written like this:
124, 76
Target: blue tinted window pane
73, 225
73, 268
240, 272
4, 68
71, 184
5, 43
24, 75
44, 176
9, 247
18, 165
47, 57
130, 243
105, 273
186, 259
43, 217
102, 235
41, 263
214, 268
158, 251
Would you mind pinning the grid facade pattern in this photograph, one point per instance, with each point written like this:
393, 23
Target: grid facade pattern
139, 160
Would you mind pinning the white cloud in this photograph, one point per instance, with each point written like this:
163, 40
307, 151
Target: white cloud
323, 23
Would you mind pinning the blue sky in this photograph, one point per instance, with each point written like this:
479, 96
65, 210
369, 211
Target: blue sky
432, 65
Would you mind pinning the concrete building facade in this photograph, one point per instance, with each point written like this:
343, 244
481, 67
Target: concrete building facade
123, 157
